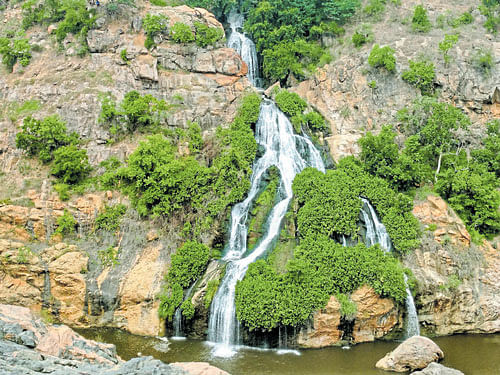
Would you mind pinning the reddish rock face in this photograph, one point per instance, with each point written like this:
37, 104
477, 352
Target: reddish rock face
375, 317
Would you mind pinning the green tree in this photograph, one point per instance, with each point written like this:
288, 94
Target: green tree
421, 75
382, 57
42, 137
182, 33
70, 164
13, 51
420, 21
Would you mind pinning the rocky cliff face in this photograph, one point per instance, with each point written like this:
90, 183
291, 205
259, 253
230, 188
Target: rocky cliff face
340, 90
67, 279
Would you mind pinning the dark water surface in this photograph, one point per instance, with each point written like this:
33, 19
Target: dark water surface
472, 354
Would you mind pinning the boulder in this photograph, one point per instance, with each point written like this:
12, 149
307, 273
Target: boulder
413, 354
199, 368
437, 369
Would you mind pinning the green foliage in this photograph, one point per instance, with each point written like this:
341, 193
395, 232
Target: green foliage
109, 218
286, 33
290, 103
159, 182
316, 122
13, 51
348, 308
381, 157
16, 110
187, 264
490, 11
42, 137
483, 60
329, 204
374, 8
123, 55
421, 75
160, 3
66, 223
320, 268
471, 190
382, 57
420, 21
362, 35
187, 308
210, 292
109, 256
195, 138
207, 36
70, 164
449, 41
489, 154
182, 33
135, 112
434, 124
464, 19
452, 283
63, 191
295, 58
153, 25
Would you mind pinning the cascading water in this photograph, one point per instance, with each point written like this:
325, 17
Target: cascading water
177, 321
377, 233
290, 153
244, 46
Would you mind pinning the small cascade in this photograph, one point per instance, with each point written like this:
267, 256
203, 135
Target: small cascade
375, 230
244, 46
376, 233
177, 321
412, 326
290, 153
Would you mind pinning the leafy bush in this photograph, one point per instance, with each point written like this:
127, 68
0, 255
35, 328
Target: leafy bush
483, 60
348, 309
382, 57
153, 25
72, 17
320, 268
13, 51
464, 19
212, 287
182, 33
421, 75
295, 58
66, 223
63, 191
294, 106
363, 35
160, 3
71, 164
420, 21
489, 154
329, 204
187, 308
287, 33
42, 137
207, 36
159, 182
187, 264
472, 192
135, 112
449, 41
374, 8
109, 218
109, 256
123, 55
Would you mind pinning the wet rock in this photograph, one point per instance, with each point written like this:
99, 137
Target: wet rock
413, 354
437, 369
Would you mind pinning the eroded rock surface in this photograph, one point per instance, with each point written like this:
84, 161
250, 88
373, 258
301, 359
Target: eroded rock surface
413, 354
437, 369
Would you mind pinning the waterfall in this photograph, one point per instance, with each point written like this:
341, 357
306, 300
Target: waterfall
412, 326
290, 153
177, 321
377, 233
244, 46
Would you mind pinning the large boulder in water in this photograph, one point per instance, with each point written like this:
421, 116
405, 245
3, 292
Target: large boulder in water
437, 369
413, 354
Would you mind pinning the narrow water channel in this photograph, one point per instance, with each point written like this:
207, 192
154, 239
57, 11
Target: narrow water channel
472, 354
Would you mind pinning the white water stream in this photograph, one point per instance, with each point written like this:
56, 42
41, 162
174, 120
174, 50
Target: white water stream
377, 233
